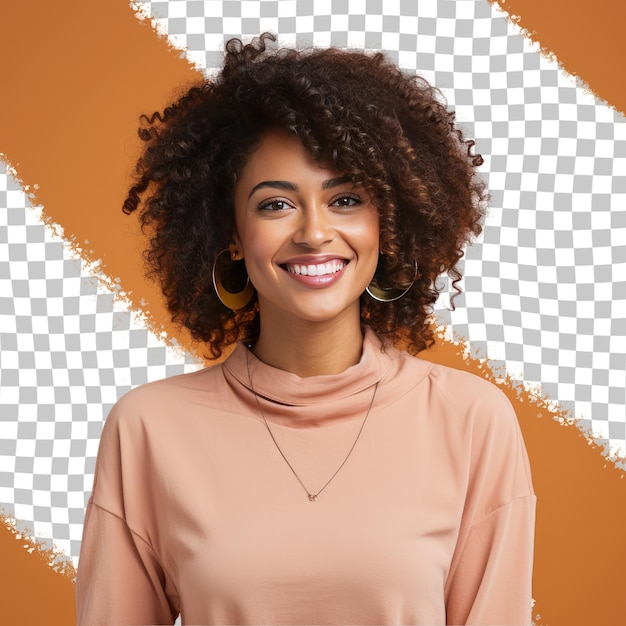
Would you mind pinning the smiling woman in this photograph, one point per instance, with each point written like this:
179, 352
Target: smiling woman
304, 203
310, 244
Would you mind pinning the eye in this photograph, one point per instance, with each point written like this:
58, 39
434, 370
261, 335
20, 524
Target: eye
346, 201
274, 204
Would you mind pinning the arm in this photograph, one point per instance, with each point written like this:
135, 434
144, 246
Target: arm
119, 578
491, 580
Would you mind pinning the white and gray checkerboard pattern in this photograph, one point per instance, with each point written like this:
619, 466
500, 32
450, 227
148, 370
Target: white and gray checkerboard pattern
68, 350
544, 293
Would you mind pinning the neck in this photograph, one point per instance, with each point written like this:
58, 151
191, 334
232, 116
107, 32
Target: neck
310, 348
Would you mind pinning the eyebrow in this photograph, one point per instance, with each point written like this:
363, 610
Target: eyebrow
288, 186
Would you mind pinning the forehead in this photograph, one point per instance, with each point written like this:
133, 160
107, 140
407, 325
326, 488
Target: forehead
278, 156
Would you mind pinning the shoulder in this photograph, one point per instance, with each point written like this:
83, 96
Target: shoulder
466, 403
150, 422
165, 399
465, 391
482, 404
500, 468
477, 423
458, 390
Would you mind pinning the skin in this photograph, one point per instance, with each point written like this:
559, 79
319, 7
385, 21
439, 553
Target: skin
291, 212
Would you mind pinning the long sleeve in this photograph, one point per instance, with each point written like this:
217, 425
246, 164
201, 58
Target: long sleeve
489, 582
120, 580
492, 580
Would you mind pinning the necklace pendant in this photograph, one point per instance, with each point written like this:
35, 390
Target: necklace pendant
311, 496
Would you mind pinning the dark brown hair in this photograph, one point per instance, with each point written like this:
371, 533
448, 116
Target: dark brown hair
387, 130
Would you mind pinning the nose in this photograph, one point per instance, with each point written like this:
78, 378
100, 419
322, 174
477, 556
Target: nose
314, 227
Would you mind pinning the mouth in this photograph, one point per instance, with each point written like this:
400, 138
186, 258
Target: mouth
316, 269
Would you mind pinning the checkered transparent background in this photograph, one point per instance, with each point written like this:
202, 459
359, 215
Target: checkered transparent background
68, 350
544, 293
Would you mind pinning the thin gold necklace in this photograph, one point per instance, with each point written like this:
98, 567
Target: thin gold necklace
312, 496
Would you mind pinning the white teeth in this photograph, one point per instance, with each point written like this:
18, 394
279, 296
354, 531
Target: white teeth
320, 269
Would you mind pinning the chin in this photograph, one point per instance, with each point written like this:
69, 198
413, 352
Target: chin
323, 315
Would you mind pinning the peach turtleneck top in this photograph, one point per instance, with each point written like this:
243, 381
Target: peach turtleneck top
195, 511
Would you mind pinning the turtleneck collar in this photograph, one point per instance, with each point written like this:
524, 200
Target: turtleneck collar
288, 389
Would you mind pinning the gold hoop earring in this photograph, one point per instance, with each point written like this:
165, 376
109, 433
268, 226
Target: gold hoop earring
233, 300
388, 294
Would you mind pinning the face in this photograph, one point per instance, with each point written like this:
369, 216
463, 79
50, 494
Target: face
309, 236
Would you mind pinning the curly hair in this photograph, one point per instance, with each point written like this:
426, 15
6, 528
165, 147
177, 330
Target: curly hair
386, 130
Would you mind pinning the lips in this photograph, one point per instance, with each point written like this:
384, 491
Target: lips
316, 269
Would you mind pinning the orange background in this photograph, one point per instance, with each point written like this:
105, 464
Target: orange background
77, 84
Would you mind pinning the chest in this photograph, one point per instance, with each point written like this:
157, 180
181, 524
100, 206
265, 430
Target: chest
242, 534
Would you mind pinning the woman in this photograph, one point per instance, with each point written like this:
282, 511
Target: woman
304, 204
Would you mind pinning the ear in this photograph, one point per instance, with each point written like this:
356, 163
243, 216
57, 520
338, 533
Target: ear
235, 247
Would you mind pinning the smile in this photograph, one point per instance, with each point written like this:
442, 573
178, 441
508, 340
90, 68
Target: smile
318, 269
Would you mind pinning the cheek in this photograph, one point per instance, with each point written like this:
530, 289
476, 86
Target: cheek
259, 249
370, 235
251, 238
